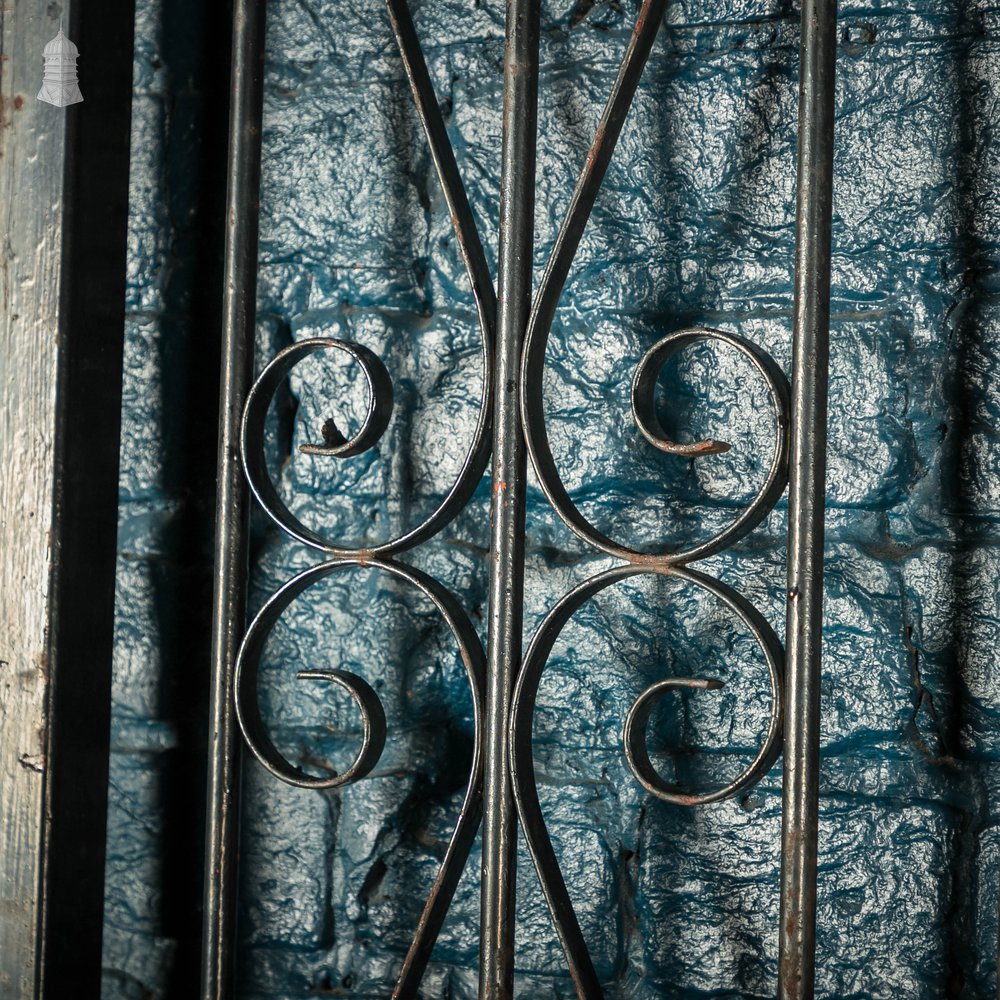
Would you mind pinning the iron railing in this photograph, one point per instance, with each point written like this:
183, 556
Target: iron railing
511, 428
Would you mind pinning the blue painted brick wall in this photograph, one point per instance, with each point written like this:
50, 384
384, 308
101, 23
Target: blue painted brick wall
694, 226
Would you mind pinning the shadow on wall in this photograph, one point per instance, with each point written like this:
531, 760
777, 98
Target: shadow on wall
195, 52
156, 808
970, 504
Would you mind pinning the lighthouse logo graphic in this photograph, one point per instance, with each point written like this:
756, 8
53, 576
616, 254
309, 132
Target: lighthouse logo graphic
59, 84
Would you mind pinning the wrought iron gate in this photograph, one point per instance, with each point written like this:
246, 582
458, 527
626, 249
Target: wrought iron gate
501, 793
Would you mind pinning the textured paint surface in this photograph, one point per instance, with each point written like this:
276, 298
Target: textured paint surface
694, 225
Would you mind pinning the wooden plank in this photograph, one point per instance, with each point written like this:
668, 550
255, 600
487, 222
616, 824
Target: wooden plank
31, 184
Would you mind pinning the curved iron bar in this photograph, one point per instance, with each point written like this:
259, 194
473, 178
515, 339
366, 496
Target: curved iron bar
644, 413
550, 290
638, 562
252, 440
443, 157
533, 425
520, 735
379, 556
379, 383
543, 313
374, 732
471, 247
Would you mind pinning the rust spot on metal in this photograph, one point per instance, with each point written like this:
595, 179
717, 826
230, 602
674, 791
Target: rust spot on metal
641, 19
791, 982
18, 102
695, 450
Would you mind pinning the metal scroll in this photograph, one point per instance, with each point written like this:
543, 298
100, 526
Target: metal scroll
515, 326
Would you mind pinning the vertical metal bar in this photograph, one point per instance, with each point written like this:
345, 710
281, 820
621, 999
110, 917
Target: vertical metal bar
807, 497
517, 221
229, 597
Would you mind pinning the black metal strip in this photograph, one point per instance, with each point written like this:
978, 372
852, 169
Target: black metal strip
807, 499
517, 219
229, 598
85, 515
